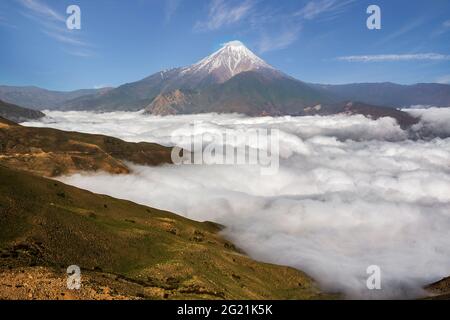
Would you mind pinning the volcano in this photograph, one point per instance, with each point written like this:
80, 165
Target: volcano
232, 79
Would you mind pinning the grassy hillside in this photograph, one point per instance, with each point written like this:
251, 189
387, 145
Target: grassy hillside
140, 251
51, 152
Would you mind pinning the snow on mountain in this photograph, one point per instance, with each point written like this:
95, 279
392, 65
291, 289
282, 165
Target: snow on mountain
233, 58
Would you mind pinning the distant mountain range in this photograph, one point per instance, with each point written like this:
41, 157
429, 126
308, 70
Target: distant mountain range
232, 79
41, 99
404, 119
391, 94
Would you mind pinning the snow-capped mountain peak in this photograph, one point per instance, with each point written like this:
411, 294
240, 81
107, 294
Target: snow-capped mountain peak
233, 58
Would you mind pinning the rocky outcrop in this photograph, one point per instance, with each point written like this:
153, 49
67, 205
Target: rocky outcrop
174, 102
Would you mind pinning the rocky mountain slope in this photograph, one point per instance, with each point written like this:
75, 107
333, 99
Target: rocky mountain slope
51, 152
232, 59
250, 93
439, 290
232, 79
18, 114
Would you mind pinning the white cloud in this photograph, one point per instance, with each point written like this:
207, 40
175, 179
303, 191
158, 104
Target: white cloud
101, 86
171, 8
351, 192
6, 23
272, 39
80, 53
64, 37
434, 121
445, 79
395, 57
313, 9
410, 26
276, 29
443, 28
224, 13
53, 24
279, 41
42, 10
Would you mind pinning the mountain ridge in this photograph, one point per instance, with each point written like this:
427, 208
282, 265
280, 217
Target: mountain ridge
37, 98
50, 152
18, 114
201, 80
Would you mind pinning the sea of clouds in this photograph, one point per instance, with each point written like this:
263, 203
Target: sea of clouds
350, 192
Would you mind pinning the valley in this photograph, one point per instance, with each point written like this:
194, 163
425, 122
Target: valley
126, 251
350, 190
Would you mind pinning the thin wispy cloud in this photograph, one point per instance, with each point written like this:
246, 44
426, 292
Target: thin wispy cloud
444, 28
445, 79
82, 54
64, 37
101, 86
314, 9
407, 28
42, 10
6, 23
53, 25
171, 8
222, 13
292, 24
276, 28
395, 57
280, 41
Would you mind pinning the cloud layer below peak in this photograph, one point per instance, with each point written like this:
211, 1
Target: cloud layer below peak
396, 57
351, 192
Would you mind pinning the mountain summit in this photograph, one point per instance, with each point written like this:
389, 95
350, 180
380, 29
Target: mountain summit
232, 79
233, 58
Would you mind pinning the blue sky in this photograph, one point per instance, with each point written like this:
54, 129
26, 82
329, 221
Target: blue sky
322, 41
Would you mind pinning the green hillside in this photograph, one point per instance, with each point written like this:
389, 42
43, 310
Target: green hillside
159, 254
